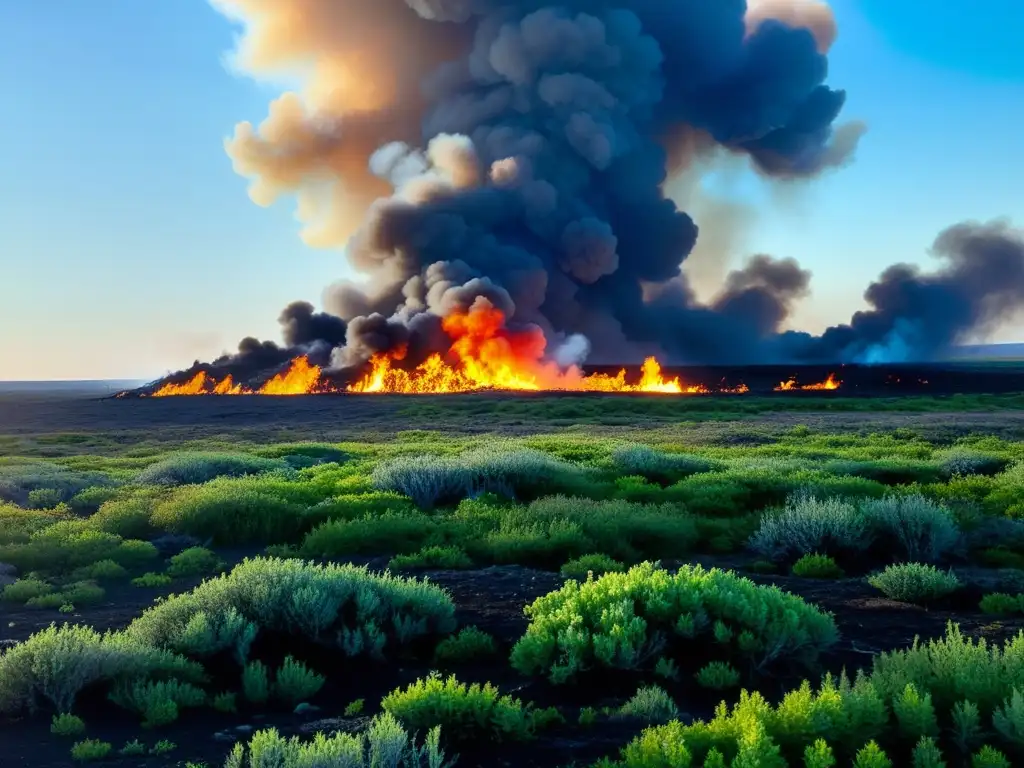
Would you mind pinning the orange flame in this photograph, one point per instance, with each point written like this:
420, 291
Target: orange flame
301, 378
828, 384
487, 355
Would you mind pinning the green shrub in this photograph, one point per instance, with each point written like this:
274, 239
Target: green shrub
129, 518
1000, 557
162, 747
67, 545
67, 725
588, 716
192, 468
666, 668
915, 713
230, 513
89, 500
807, 524
387, 533
963, 462
384, 744
226, 702
597, 564
133, 748
91, 749
915, 583
817, 566
24, 590
256, 683
926, 754
917, 529
467, 712
158, 702
152, 580
469, 645
871, 756
989, 757
443, 558
515, 472
194, 561
80, 593
817, 755
346, 605
104, 570
55, 664
44, 498
642, 460
1001, 604
651, 704
295, 682
355, 708
619, 619
718, 676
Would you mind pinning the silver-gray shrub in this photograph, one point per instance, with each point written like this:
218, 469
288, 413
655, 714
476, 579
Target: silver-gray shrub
194, 467
808, 524
56, 663
384, 744
430, 480
340, 605
963, 462
918, 529
639, 459
19, 478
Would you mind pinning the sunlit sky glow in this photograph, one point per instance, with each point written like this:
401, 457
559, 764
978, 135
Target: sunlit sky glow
130, 247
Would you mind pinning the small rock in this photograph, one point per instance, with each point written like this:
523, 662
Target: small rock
6, 569
244, 728
304, 708
221, 736
7, 580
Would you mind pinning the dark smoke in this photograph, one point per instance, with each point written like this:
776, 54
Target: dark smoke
516, 150
918, 316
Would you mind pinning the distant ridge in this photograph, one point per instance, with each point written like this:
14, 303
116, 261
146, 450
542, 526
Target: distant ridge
990, 351
84, 387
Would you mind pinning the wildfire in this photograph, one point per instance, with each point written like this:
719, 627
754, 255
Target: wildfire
828, 384
301, 378
485, 354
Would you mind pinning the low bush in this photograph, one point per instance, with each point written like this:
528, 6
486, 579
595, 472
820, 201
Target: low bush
395, 533
441, 558
128, 518
718, 675
44, 498
385, 744
915, 583
230, 513
195, 467
514, 472
158, 702
226, 702
1002, 604
624, 620
152, 580
55, 664
960, 462
18, 480
807, 524
91, 749
915, 528
104, 570
256, 683
362, 612
464, 711
79, 594
659, 466
194, 561
597, 564
469, 645
651, 704
817, 566
295, 682
67, 725
69, 544
24, 590
133, 748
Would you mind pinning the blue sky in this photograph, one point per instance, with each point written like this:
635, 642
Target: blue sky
129, 246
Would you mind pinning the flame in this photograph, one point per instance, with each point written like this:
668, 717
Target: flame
485, 354
301, 378
828, 384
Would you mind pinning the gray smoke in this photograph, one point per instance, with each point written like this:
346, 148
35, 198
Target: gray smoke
517, 150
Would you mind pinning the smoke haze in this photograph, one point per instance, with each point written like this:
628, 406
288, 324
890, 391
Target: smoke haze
517, 152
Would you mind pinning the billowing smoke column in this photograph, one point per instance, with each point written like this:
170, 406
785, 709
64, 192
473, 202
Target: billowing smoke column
514, 151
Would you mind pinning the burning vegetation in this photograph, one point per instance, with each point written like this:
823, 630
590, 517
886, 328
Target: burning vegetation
497, 171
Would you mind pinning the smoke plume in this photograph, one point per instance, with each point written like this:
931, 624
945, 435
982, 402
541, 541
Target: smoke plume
515, 152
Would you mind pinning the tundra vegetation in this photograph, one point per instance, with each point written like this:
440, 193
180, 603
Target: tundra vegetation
718, 593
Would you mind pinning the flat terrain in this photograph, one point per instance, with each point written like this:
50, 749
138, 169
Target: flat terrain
301, 477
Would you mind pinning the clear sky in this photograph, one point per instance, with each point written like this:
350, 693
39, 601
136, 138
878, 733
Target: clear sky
128, 246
